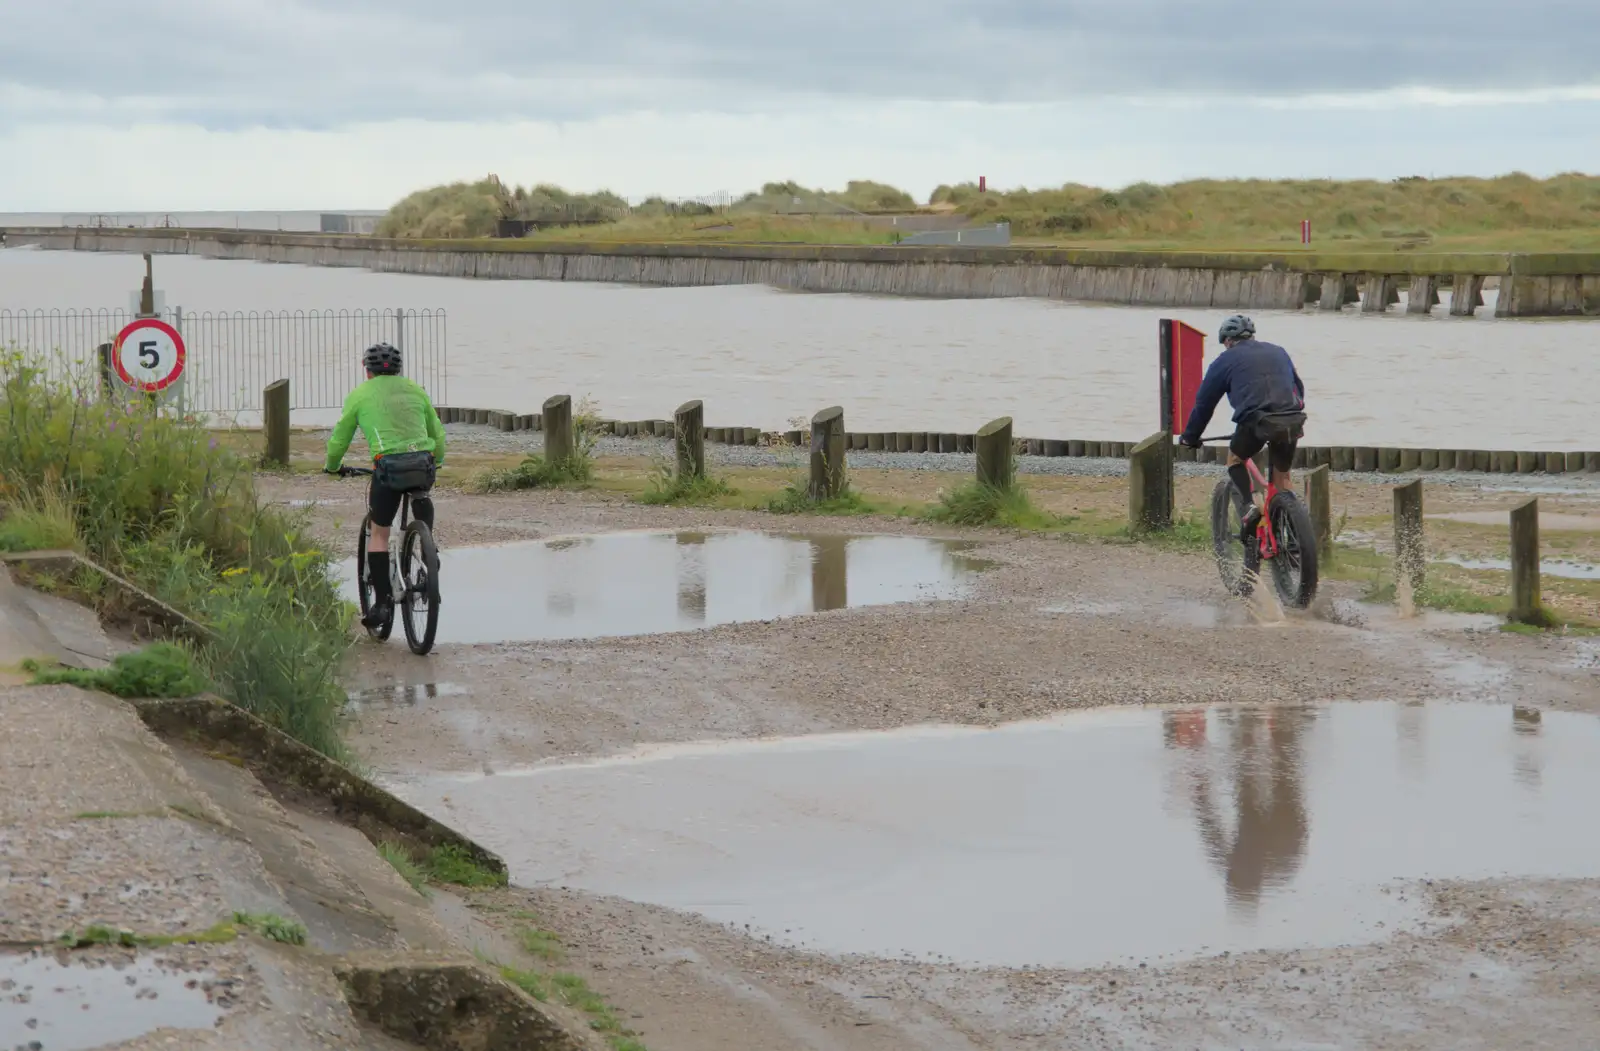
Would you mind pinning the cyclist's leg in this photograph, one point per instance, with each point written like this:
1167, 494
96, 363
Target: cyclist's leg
1244, 445
422, 507
384, 503
1280, 452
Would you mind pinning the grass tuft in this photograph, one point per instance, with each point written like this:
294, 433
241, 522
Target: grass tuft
446, 864
534, 472
272, 927
407, 866
795, 499
452, 864
161, 669
667, 487
571, 990
976, 504
100, 934
40, 521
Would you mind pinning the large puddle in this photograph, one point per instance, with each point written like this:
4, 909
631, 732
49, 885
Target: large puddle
61, 1003
1098, 837
615, 584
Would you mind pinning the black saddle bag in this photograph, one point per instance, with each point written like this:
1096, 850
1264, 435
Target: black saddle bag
406, 472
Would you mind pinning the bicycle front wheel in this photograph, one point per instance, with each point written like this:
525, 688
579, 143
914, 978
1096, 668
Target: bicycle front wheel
419, 582
364, 581
1236, 561
1294, 567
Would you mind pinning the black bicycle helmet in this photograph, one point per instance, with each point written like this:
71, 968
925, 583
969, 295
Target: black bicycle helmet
1236, 327
382, 359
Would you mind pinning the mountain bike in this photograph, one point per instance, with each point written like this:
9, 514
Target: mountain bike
414, 576
1284, 539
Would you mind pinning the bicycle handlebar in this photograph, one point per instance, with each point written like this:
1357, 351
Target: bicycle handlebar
352, 472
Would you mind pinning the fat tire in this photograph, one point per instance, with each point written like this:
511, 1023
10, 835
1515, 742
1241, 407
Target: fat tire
364, 582
1237, 562
417, 550
1292, 529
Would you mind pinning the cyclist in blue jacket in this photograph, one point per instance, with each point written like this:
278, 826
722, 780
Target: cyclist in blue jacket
1268, 400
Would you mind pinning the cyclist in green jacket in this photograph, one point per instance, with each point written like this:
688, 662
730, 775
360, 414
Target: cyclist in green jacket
406, 441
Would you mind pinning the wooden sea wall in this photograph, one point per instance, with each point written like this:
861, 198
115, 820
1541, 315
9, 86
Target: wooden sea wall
1534, 285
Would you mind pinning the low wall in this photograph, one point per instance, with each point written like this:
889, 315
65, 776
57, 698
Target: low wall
1539, 284
1383, 459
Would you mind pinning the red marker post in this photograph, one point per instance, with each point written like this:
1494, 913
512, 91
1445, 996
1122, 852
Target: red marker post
1305, 231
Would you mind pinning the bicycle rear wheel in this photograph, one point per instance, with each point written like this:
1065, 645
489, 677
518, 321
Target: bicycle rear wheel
1236, 562
419, 583
1294, 567
364, 582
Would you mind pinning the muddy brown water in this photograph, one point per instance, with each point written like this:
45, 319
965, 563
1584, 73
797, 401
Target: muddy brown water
54, 1002
759, 357
641, 583
1092, 838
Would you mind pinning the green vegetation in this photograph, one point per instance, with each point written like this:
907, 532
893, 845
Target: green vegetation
795, 499
573, 991
534, 472
666, 486
99, 934
976, 504
39, 521
272, 927
404, 864
446, 864
1407, 212
161, 669
1512, 211
153, 497
474, 209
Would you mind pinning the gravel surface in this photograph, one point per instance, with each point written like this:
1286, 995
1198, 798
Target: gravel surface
1057, 624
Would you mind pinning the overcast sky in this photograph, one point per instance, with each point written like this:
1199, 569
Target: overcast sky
188, 104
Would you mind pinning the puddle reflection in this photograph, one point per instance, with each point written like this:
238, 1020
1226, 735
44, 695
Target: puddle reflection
615, 584
62, 1003
1091, 838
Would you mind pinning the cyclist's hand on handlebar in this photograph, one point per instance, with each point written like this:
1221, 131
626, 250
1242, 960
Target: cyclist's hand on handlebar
1193, 443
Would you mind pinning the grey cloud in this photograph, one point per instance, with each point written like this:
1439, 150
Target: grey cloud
297, 63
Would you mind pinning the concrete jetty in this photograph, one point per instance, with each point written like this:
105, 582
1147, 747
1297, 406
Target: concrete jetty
1531, 284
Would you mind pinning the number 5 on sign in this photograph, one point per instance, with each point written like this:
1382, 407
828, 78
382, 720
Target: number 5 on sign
149, 355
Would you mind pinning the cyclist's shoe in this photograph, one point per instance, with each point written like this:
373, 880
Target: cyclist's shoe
1247, 531
378, 615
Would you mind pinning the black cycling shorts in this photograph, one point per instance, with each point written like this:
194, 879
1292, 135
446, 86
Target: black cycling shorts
1279, 436
384, 503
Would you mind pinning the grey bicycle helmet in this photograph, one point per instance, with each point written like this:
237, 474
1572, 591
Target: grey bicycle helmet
1236, 327
382, 359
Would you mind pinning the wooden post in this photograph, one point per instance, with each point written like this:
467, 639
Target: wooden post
1150, 484
688, 423
108, 371
1526, 604
992, 444
1410, 558
1319, 501
275, 421
558, 444
827, 453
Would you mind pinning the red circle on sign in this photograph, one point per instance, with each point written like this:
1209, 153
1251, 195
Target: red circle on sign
169, 336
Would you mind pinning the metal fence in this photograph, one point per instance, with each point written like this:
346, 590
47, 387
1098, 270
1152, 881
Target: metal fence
232, 356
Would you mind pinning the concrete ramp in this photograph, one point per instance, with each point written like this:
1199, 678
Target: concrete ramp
151, 892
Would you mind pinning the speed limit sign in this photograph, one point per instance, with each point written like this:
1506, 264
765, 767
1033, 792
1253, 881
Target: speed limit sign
149, 355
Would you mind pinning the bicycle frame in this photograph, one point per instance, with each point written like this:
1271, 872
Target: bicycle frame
1264, 537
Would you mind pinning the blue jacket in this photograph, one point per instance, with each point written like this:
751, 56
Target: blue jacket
1257, 377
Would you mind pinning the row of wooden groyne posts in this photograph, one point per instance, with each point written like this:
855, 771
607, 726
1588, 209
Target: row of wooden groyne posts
1338, 457
1530, 284
1152, 493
